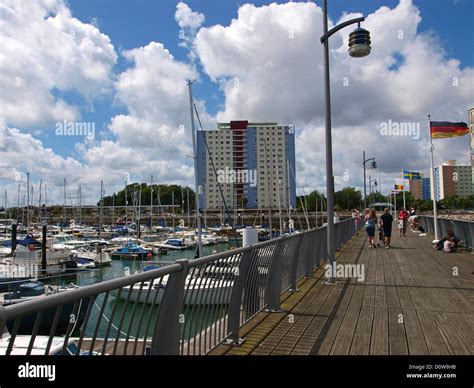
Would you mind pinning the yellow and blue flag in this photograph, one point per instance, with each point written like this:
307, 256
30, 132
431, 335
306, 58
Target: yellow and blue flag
411, 175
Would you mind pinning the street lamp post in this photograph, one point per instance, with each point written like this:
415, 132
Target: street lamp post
373, 165
359, 46
370, 186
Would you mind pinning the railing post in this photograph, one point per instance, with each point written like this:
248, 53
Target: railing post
236, 299
167, 333
294, 263
273, 287
3, 320
309, 255
323, 251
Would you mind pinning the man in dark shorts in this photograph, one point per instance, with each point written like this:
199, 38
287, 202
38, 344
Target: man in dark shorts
387, 221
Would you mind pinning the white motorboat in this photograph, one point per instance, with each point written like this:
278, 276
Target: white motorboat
22, 342
173, 244
200, 290
122, 241
66, 241
84, 256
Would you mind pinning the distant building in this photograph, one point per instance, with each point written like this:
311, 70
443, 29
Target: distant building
451, 179
420, 189
254, 163
426, 189
415, 188
471, 125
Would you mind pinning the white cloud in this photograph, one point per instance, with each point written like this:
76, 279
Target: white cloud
268, 63
187, 18
45, 50
154, 137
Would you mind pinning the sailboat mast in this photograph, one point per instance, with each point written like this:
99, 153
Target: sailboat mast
27, 202
151, 202
5, 209
113, 209
100, 205
187, 199
139, 213
172, 208
268, 190
288, 191
194, 135
18, 203
64, 205
126, 206
45, 203
279, 195
39, 201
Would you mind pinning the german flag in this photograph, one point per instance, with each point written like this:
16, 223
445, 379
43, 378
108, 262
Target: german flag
444, 129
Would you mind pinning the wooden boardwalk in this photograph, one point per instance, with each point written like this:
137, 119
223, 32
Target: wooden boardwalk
413, 301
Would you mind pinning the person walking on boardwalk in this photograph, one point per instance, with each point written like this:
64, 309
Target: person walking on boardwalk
387, 221
369, 226
403, 216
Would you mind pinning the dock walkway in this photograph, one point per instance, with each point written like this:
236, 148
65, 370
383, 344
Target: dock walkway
413, 301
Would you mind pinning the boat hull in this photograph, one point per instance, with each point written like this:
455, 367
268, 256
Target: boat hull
203, 296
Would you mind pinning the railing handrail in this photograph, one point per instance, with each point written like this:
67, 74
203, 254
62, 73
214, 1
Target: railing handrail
175, 271
445, 218
88, 291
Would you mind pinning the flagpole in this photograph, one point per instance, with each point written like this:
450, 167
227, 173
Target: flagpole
435, 215
395, 202
403, 183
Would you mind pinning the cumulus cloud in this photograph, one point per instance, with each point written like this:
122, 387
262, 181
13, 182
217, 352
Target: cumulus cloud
44, 52
154, 137
189, 22
268, 63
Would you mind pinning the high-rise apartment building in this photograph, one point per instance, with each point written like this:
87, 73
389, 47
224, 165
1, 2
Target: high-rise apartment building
426, 189
471, 125
451, 179
254, 163
420, 189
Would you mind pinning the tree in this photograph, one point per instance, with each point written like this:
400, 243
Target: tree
347, 198
310, 200
165, 194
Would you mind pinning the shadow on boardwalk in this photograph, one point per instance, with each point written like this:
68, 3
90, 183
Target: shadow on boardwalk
414, 300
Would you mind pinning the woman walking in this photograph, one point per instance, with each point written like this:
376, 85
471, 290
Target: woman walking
370, 224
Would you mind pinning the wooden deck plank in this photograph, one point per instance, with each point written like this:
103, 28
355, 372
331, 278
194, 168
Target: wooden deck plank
379, 340
415, 338
397, 336
342, 343
434, 339
362, 335
409, 303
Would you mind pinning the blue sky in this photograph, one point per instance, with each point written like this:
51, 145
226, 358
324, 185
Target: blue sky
136, 125
132, 24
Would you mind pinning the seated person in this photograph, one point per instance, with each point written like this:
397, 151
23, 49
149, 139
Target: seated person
449, 245
452, 238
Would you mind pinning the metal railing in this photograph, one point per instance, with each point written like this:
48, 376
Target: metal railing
187, 308
464, 230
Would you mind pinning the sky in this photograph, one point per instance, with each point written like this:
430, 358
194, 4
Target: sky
119, 68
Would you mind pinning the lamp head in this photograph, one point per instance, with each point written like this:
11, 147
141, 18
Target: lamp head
359, 43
